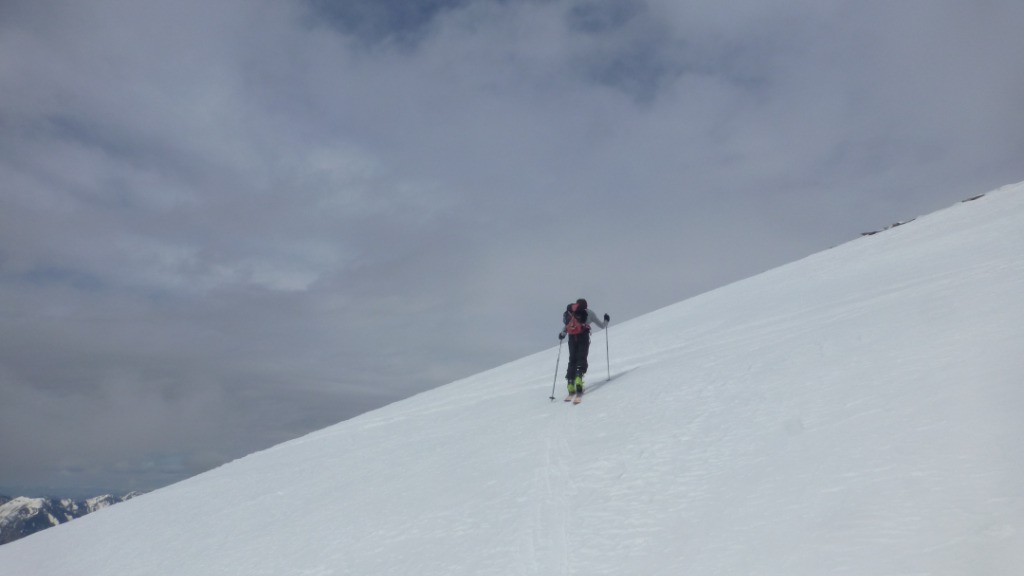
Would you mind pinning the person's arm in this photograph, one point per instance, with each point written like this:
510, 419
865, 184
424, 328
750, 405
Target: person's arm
593, 318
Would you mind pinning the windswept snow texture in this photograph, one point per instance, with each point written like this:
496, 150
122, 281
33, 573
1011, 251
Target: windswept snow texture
859, 412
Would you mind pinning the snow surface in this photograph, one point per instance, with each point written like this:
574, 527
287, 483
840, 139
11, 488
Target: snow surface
858, 412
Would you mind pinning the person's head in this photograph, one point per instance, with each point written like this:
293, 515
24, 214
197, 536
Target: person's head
581, 304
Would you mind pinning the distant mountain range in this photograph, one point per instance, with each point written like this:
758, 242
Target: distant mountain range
21, 516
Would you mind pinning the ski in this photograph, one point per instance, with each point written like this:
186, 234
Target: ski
570, 397
577, 399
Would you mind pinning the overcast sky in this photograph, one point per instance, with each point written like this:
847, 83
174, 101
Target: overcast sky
226, 224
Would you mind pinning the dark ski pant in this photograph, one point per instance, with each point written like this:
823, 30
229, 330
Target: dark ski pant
579, 348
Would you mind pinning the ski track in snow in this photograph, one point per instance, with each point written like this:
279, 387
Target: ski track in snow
853, 413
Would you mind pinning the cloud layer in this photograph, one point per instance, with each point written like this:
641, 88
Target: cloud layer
222, 226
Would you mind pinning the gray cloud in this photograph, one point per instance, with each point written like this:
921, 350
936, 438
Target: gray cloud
397, 21
623, 44
222, 226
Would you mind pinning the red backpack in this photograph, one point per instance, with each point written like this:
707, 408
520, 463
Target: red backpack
572, 324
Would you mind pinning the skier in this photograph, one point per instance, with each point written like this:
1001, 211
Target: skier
576, 320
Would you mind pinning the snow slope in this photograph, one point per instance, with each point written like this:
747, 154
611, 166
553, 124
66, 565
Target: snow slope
858, 412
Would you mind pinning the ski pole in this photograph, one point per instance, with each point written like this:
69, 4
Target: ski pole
607, 357
557, 360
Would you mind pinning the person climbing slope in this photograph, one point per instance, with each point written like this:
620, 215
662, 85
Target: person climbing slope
576, 321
